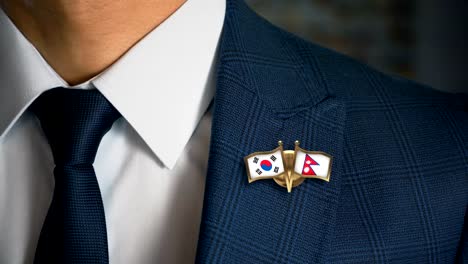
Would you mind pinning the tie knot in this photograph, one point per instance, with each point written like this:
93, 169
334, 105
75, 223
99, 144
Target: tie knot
74, 122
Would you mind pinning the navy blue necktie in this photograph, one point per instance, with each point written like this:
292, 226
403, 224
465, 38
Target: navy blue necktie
74, 122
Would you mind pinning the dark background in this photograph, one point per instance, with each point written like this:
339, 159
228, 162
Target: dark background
424, 40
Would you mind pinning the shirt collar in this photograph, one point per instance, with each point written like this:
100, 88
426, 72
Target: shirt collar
162, 86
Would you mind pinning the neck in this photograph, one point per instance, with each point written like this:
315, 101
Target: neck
81, 38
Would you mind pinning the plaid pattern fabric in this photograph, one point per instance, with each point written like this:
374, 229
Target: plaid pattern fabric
398, 189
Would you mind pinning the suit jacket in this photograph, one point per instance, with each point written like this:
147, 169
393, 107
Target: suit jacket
399, 184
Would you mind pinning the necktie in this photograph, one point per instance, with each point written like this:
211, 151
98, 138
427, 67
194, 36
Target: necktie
74, 122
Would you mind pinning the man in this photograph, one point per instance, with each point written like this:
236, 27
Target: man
143, 71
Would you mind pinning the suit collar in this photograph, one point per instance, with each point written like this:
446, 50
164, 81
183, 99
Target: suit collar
268, 91
261, 53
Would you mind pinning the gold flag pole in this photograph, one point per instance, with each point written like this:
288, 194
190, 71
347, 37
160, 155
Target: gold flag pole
289, 178
288, 181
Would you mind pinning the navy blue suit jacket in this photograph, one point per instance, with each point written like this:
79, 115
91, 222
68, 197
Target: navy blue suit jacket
399, 185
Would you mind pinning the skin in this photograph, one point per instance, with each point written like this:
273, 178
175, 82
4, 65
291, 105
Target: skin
81, 38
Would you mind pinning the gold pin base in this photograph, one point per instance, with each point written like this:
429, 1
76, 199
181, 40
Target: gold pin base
289, 179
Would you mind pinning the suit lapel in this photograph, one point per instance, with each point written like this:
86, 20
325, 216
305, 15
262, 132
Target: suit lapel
266, 92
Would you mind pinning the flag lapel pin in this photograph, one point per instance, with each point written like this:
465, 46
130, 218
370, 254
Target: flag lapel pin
288, 168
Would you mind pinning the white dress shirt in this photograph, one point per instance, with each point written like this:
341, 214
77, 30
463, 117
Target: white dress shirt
150, 166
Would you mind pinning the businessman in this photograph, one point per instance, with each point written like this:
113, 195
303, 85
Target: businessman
124, 125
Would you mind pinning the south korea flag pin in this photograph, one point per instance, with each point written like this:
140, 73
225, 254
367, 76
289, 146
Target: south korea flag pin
288, 168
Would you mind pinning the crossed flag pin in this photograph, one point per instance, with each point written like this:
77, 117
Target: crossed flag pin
288, 168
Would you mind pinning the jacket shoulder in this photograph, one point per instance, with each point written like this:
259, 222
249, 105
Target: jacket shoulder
276, 63
349, 78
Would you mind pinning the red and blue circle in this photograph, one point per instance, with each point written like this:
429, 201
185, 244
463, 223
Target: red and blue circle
266, 165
